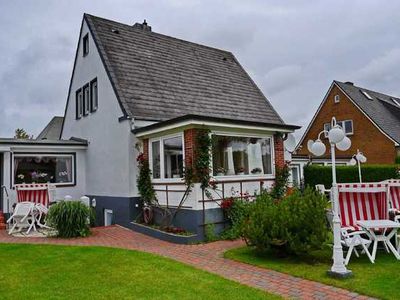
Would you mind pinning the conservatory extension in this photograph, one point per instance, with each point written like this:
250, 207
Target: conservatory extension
243, 158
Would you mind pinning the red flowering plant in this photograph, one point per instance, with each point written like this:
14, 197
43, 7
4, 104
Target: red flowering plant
227, 203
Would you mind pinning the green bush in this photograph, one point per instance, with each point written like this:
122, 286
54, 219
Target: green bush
237, 215
294, 225
70, 218
397, 160
209, 233
370, 173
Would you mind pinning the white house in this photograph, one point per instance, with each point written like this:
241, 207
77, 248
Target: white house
131, 86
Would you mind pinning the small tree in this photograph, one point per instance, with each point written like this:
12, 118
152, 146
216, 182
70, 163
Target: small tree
20, 133
281, 182
144, 184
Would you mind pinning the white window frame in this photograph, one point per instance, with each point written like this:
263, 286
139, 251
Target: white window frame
341, 123
62, 155
337, 98
86, 99
352, 127
162, 173
79, 103
248, 135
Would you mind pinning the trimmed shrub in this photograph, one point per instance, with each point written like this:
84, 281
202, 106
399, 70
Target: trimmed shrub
370, 173
70, 218
294, 225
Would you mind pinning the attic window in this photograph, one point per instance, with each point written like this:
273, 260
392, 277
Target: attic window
85, 43
366, 95
395, 101
337, 98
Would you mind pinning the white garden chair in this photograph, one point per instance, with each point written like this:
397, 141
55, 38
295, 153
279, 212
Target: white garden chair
394, 195
23, 217
321, 189
40, 212
397, 219
358, 202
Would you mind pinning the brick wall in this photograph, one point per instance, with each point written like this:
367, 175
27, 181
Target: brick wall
367, 137
146, 148
190, 145
279, 151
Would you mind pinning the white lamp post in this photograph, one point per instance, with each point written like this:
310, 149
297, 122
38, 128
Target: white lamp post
358, 159
337, 138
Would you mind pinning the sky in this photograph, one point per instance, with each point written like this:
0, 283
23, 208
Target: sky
292, 49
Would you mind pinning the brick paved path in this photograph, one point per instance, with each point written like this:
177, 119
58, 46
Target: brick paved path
208, 257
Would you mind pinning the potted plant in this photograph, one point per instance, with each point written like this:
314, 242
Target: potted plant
240, 171
176, 174
220, 171
256, 171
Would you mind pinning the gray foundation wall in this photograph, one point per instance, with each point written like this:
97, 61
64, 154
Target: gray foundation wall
194, 220
125, 210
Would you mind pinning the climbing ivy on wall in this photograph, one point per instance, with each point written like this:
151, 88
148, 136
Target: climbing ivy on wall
144, 184
200, 170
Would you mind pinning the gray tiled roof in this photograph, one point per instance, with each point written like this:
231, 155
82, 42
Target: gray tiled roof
381, 109
52, 130
157, 77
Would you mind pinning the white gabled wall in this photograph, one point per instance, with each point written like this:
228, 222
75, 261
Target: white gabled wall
110, 164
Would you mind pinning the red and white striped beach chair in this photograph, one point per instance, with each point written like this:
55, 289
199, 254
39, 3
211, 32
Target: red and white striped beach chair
36, 193
362, 201
394, 195
357, 202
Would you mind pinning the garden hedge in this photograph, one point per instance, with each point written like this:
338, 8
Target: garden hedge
370, 173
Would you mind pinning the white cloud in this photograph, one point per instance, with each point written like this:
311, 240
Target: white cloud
293, 49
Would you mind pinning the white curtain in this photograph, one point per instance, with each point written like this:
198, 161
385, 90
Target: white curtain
254, 157
231, 167
68, 166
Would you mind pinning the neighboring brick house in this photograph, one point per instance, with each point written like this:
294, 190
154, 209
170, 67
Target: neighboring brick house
370, 119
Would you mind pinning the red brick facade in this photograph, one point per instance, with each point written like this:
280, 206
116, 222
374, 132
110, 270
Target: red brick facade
190, 145
146, 149
378, 148
279, 151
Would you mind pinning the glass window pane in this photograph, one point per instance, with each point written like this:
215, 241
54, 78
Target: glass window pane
348, 127
173, 157
155, 151
43, 169
266, 155
241, 155
93, 96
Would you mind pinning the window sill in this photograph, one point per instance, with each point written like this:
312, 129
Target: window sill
246, 177
168, 180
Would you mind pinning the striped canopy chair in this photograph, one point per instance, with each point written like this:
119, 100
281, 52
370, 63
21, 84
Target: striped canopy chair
357, 202
36, 193
394, 195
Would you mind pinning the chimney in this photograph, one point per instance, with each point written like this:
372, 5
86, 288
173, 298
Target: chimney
349, 83
142, 26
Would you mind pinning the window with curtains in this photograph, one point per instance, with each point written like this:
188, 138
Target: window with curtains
40, 168
167, 157
237, 155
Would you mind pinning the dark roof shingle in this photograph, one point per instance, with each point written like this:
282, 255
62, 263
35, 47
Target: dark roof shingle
381, 108
157, 77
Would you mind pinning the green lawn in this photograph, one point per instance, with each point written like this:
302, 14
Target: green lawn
61, 272
381, 279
